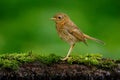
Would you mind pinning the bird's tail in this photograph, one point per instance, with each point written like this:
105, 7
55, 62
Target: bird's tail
94, 39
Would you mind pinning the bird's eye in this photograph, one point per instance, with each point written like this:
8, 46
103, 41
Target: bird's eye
59, 17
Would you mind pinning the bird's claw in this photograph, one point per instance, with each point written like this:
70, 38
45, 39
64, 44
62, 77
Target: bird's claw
64, 58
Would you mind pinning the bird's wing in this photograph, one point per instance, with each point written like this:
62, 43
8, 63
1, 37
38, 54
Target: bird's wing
79, 35
75, 31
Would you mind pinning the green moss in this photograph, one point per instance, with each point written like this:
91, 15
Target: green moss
92, 60
107, 63
89, 59
9, 64
13, 61
52, 58
117, 61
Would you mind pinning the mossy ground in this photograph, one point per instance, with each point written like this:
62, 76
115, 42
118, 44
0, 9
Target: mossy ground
15, 60
30, 66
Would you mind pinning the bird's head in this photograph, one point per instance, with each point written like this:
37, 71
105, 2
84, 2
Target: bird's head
60, 18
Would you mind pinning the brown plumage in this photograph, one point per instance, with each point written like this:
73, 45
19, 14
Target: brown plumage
69, 32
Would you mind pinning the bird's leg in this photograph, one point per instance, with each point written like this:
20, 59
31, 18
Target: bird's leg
71, 47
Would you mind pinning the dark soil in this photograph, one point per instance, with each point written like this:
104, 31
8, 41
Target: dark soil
60, 71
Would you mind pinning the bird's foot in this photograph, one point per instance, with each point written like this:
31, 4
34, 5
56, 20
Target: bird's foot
64, 58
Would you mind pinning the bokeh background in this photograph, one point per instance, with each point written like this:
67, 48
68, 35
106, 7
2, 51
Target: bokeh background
25, 25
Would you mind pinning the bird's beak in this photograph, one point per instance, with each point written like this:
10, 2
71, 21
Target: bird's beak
53, 18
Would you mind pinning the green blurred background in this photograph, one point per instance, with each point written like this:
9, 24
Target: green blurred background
25, 25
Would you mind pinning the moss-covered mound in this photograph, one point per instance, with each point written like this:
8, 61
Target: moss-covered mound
29, 66
13, 61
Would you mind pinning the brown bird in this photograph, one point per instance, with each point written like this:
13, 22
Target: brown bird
69, 32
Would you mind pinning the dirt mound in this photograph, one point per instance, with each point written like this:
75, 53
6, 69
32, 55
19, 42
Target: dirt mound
60, 71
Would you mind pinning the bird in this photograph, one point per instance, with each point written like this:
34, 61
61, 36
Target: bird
70, 32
